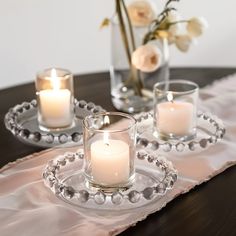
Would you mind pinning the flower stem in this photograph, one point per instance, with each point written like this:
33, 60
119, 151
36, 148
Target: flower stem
176, 22
130, 26
133, 72
157, 24
123, 31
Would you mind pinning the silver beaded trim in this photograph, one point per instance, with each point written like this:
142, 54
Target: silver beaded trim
100, 197
13, 117
155, 144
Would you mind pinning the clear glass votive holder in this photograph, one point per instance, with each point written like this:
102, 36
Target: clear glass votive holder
55, 98
109, 148
175, 110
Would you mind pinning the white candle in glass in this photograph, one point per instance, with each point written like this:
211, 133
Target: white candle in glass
175, 117
55, 104
110, 161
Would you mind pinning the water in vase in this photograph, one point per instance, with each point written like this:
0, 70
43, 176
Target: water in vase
124, 96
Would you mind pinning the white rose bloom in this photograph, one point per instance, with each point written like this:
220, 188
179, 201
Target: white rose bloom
183, 42
147, 58
141, 12
196, 26
174, 29
171, 37
173, 16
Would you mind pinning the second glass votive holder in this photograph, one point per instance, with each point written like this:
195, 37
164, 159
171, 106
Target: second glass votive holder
55, 97
175, 110
109, 148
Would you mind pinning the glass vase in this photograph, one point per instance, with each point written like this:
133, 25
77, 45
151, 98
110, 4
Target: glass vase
132, 89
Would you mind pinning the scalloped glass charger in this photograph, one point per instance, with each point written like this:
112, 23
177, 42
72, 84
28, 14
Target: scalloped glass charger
154, 177
21, 121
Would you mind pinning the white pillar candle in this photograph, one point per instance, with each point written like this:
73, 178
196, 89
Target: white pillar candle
55, 107
110, 162
55, 104
175, 117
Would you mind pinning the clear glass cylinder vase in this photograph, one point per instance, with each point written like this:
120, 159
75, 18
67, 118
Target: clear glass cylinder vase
109, 148
55, 97
125, 77
175, 110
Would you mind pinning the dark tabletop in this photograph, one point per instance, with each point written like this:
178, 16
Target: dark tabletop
209, 209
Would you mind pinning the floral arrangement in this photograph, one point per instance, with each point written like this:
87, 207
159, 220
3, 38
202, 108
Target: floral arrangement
166, 25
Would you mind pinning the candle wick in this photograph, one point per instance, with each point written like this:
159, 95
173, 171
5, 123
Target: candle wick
107, 144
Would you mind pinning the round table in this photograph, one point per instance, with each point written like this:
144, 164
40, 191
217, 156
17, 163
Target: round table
209, 209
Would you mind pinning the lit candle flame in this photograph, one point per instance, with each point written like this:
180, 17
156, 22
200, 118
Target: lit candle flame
170, 97
106, 120
55, 80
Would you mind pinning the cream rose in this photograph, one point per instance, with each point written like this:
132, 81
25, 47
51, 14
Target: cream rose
196, 26
183, 42
173, 16
147, 58
141, 12
171, 37
174, 29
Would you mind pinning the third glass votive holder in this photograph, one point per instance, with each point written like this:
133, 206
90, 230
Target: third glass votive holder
175, 110
109, 148
55, 97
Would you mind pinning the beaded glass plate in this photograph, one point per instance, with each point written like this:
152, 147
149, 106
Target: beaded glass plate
21, 120
210, 130
154, 176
